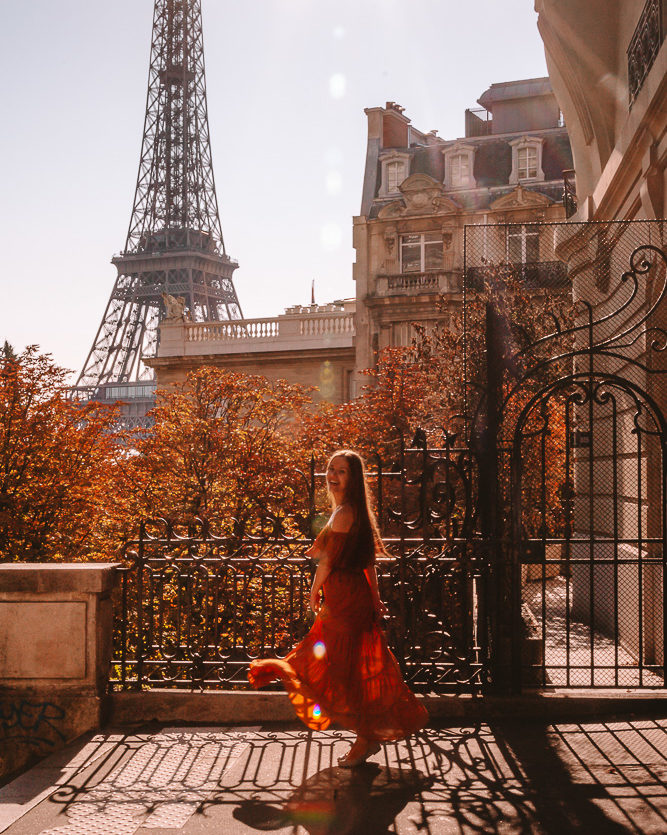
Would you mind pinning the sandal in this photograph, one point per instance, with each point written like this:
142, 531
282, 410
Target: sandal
351, 762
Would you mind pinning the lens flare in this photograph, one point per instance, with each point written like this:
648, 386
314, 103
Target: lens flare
317, 711
337, 85
331, 236
319, 650
334, 182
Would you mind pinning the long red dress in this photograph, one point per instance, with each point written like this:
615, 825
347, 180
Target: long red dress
343, 671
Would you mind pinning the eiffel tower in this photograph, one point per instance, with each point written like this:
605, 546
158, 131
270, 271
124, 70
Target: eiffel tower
174, 242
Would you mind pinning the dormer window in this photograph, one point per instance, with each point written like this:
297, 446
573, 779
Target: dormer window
395, 175
395, 169
460, 173
526, 160
459, 160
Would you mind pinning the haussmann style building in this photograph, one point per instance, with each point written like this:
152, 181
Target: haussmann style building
419, 191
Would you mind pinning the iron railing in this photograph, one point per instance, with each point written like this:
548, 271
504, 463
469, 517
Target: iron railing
194, 608
569, 192
566, 404
535, 276
528, 550
644, 46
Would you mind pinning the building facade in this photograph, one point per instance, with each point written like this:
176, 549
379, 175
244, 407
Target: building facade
608, 66
309, 345
420, 191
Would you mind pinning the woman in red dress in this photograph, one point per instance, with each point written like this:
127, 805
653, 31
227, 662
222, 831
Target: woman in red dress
343, 671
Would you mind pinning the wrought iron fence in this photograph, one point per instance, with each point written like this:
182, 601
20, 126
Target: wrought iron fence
567, 406
193, 609
528, 549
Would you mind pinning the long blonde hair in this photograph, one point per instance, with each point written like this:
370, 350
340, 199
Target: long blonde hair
366, 539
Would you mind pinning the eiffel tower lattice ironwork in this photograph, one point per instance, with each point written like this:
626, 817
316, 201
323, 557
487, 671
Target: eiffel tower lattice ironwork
174, 242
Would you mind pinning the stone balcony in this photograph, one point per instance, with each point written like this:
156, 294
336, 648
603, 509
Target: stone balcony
298, 329
437, 282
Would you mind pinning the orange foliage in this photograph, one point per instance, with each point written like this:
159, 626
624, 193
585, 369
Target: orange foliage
223, 447
58, 463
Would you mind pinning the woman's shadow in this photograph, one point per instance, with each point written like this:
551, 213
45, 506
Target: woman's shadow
336, 801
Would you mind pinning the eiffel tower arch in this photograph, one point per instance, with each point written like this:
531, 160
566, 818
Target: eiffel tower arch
174, 243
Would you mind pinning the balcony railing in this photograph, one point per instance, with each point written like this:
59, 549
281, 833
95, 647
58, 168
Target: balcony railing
244, 330
644, 46
569, 193
537, 276
432, 281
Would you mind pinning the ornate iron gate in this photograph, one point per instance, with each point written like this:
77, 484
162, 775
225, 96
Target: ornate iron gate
571, 428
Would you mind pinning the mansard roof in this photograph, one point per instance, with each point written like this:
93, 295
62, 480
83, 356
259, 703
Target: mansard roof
492, 167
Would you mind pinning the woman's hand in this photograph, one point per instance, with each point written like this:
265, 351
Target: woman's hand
315, 602
381, 610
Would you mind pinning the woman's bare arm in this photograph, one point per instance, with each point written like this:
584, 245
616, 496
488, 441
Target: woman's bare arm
372, 577
340, 523
323, 571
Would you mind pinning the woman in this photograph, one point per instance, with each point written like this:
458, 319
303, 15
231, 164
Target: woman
343, 670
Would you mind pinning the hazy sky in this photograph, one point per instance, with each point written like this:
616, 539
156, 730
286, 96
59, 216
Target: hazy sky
288, 81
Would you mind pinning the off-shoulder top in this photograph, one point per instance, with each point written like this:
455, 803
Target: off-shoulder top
341, 549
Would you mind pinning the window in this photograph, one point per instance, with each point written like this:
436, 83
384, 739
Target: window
401, 334
460, 172
395, 169
523, 244
526, 159
394, 175
421, 253
459, 160
527, 163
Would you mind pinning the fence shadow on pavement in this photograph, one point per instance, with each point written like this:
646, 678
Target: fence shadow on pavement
510, 777
606, 777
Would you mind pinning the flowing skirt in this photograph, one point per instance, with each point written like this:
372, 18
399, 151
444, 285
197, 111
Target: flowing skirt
343, 671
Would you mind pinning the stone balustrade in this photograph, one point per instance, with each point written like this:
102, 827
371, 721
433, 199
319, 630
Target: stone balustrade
297, 329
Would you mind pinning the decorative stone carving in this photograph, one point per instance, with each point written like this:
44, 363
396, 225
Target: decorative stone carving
520, 198
174, 308
390, 236
421, 195
394, 209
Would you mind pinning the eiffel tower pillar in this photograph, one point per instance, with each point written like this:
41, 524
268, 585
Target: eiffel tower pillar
174, 244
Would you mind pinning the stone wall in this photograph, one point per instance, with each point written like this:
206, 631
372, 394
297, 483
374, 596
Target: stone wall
55, 650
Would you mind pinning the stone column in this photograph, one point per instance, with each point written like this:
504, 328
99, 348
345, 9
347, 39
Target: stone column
55, 651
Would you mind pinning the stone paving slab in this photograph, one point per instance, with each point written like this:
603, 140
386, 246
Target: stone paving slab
505, 777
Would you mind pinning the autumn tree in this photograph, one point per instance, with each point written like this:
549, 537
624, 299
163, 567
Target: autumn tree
58, 460
222, 447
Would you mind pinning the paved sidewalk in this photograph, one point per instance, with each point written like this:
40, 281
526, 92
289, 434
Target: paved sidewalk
507, 777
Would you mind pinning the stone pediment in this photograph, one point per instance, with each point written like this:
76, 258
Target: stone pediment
394, 209
521, 198
421, 195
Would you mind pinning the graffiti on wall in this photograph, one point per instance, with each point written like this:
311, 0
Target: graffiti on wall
35, 725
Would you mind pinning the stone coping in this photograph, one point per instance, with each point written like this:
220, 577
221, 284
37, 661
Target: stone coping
57, 577
172, 705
